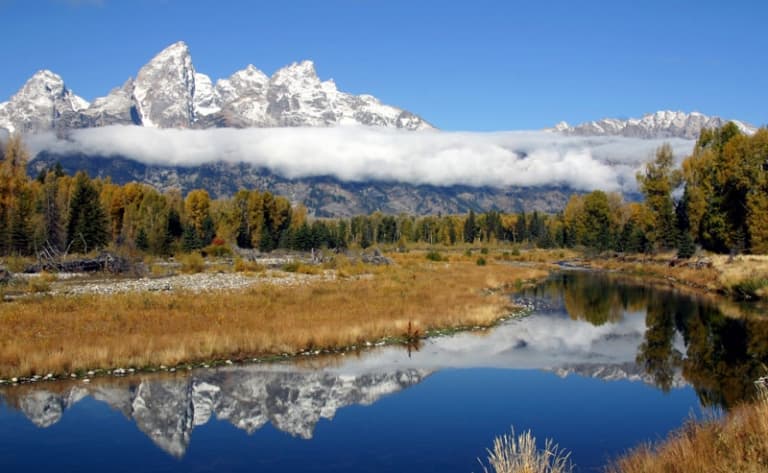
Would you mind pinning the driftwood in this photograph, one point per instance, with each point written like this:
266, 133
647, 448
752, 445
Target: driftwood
103, 262
376, 258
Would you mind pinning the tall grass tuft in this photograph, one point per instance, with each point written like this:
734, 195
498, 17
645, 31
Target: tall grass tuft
518, 454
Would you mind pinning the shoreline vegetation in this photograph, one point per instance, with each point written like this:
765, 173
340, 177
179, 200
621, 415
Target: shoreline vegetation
736, 442
58, 336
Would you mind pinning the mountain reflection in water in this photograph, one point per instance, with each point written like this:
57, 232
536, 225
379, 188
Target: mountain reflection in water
591, 325
168, 409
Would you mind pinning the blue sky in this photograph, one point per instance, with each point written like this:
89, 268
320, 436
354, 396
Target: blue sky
471, 65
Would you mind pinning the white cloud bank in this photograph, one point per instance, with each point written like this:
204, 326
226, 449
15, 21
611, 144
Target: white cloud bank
499, 159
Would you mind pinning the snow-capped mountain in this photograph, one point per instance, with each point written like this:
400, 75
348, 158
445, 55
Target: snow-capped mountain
662, 124
40, 104
168, 410
169, 93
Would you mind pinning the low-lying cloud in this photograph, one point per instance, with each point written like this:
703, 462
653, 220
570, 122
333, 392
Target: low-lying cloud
498, 159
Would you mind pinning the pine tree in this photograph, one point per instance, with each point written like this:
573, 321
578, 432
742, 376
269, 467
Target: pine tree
521, 228
190, 240
87, 225
686, 248
470, 228
142, 242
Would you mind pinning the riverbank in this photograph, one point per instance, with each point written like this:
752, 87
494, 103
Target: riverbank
737, 442
743, 277
275, 313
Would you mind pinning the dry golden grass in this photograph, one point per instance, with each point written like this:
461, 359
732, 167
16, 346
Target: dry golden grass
706, 279
65, 334
737, 443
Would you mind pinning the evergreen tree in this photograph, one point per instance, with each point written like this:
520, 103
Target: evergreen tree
190, 240
521, 228
87, 224
303, 238
208, 231
266, 243
142, 242
686, 248
470, 228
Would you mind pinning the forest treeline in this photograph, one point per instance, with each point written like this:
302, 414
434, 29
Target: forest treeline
717, 199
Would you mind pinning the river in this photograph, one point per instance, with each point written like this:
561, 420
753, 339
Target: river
601, 365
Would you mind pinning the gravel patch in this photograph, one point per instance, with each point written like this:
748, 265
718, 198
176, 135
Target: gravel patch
199, 282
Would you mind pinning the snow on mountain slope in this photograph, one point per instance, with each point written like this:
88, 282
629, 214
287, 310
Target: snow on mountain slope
41, 101
169, 93
206, 98
168, 410
165, 87
661, 124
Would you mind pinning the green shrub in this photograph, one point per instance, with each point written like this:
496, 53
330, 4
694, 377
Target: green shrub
484, 251
291, 266
751, 288
481, 261
434, 256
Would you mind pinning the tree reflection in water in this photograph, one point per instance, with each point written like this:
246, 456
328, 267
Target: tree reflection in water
723, 355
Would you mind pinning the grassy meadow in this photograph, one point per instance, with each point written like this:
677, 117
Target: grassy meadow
64, 334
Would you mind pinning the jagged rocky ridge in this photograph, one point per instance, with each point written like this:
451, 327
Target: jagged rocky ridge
169, 93
662, 124
168, 410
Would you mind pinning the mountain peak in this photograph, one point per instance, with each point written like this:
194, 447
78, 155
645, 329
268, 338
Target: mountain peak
164, 89
41, 100
44, 83
178, 48
47, 75
296, 71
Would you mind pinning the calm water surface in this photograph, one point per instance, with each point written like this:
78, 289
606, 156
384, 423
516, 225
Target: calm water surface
602, 365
